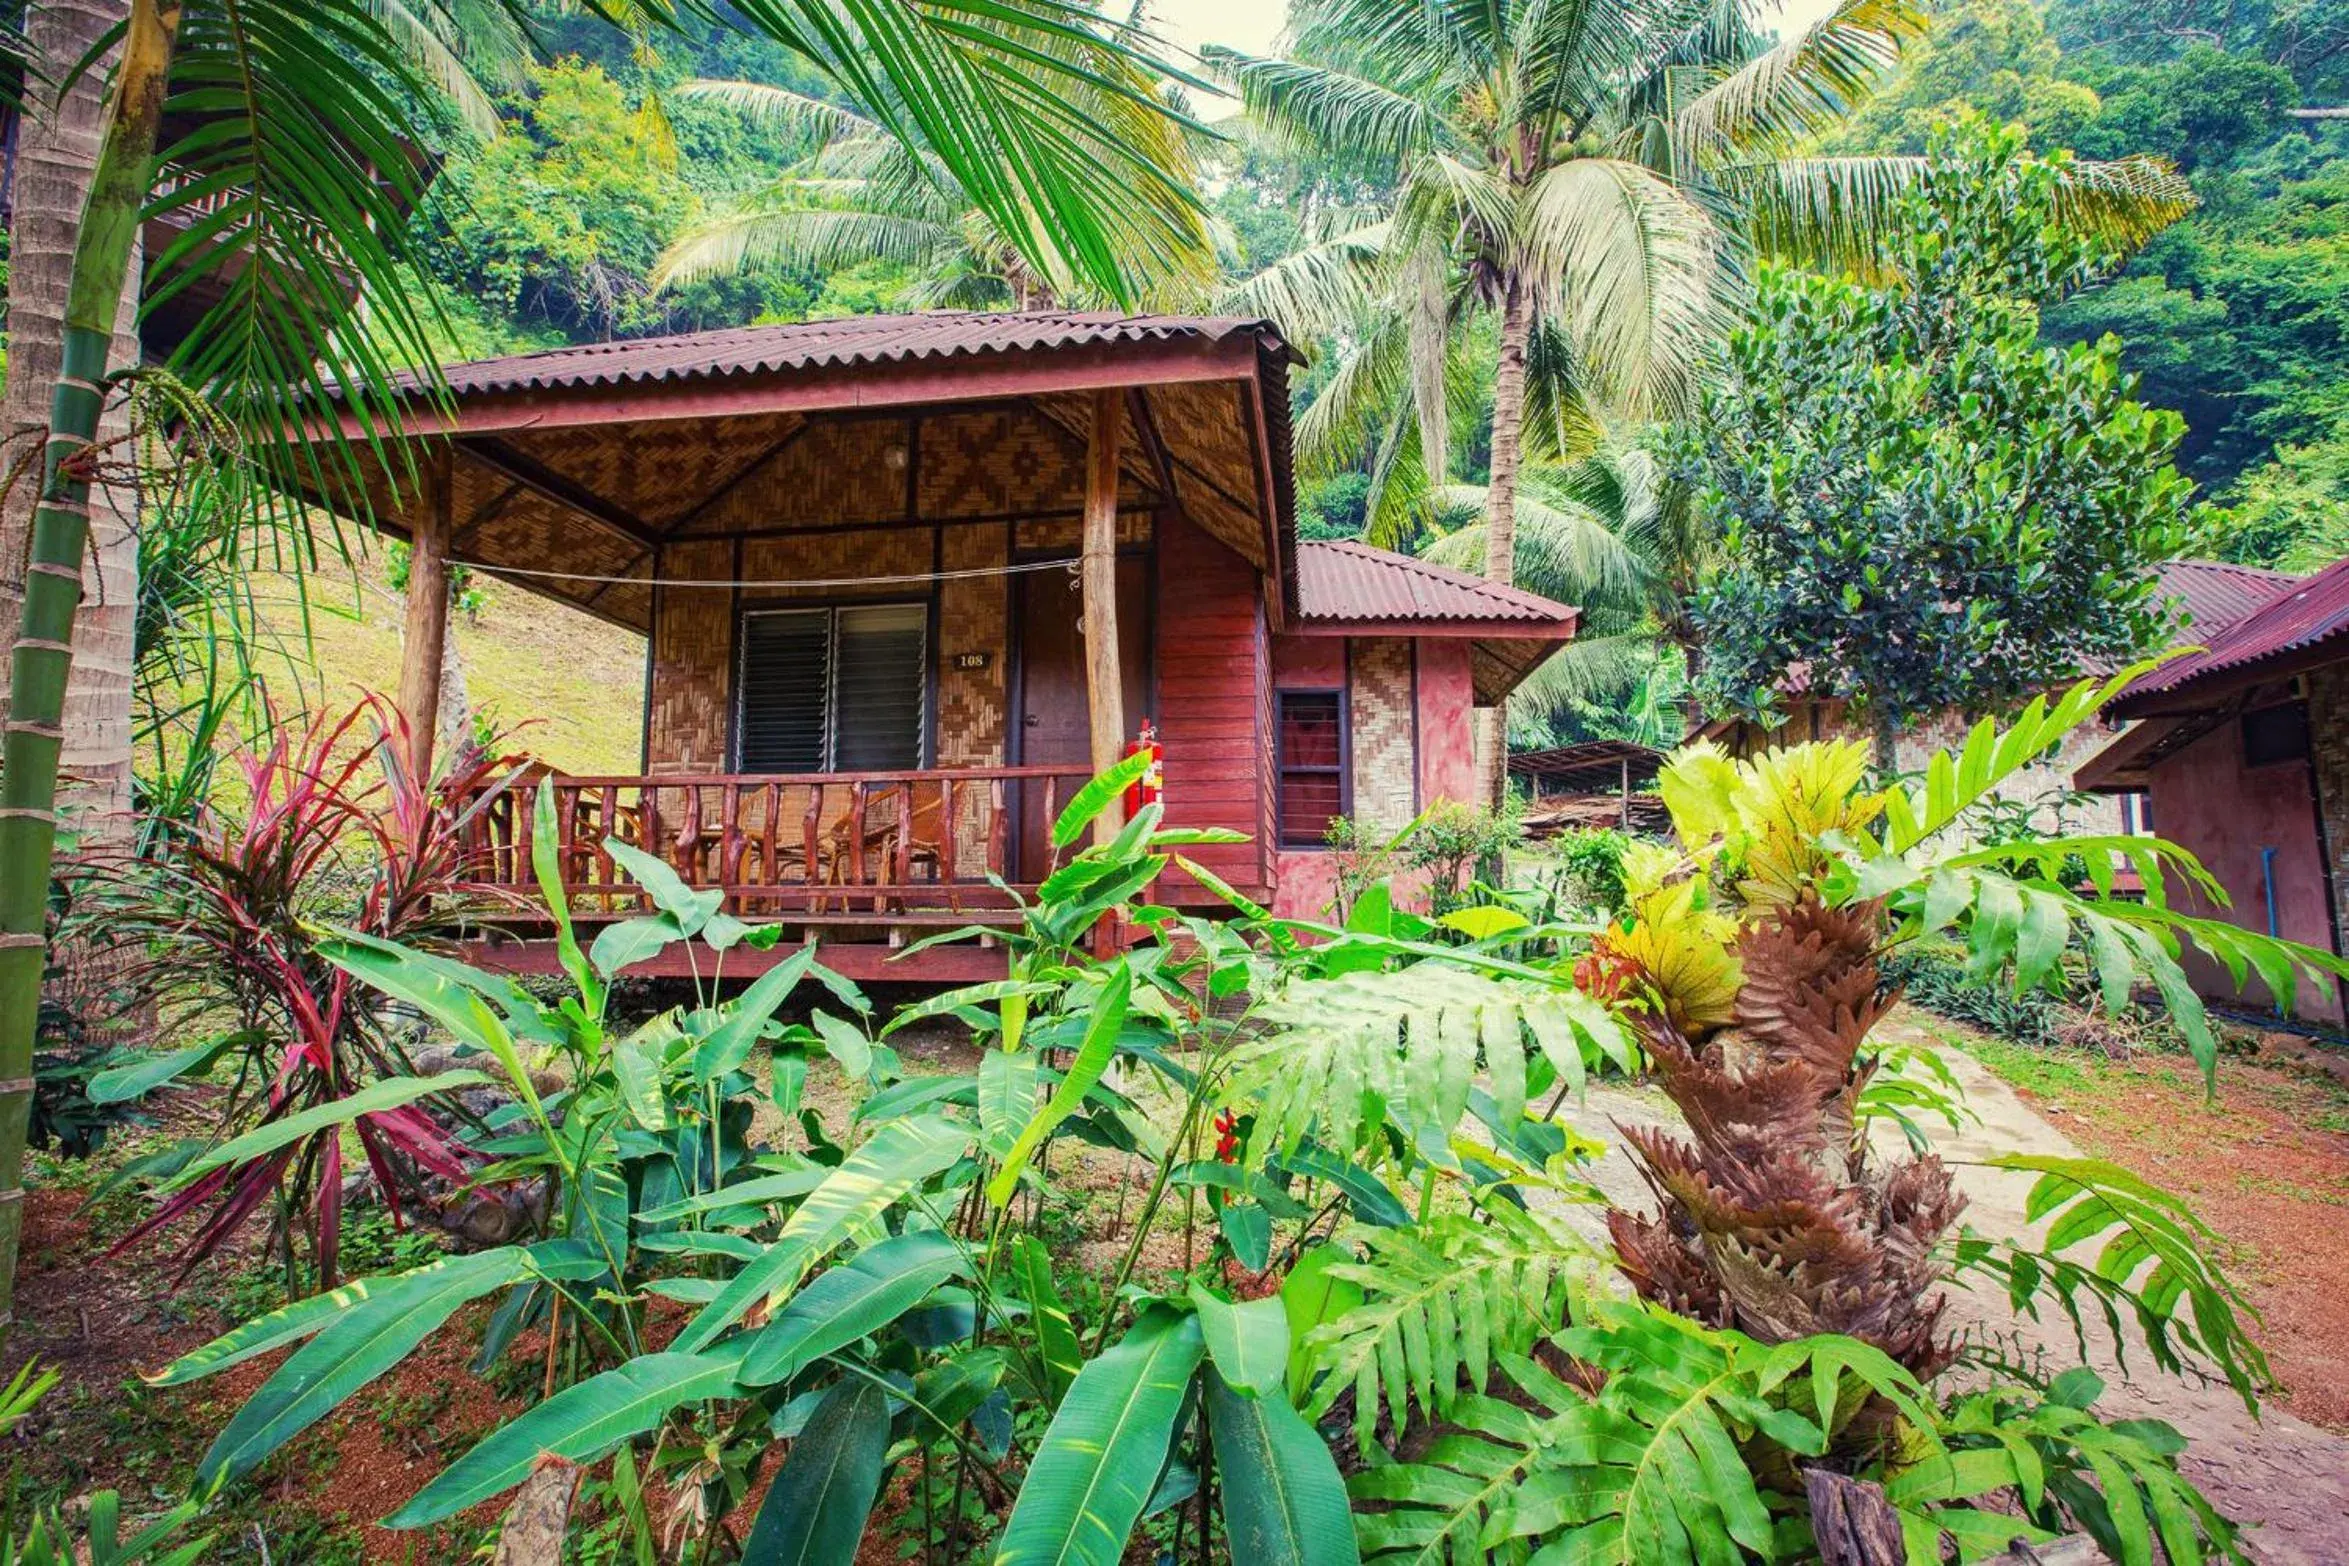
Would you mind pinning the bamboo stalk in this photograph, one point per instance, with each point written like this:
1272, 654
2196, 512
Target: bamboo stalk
53, 582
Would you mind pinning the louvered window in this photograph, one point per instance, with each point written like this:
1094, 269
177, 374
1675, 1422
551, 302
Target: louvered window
834, 690
1312, 766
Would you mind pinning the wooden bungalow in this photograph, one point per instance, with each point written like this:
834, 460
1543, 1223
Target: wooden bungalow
905, 582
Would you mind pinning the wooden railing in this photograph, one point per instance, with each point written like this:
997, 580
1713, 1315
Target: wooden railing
851, 846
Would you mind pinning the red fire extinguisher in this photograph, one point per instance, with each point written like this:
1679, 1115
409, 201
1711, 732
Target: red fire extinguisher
1152, 784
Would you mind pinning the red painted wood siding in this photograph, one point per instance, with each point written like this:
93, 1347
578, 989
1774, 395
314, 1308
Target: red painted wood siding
1214, 702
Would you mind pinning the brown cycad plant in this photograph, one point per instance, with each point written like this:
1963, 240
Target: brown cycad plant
1749, 964
1776, 1217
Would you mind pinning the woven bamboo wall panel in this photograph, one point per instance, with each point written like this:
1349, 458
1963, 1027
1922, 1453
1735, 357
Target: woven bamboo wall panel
1206, 430
997, 461
536, 534
659, 471
837, 471
835, 557
973, 618
1134, 531
1385, 750
693, 662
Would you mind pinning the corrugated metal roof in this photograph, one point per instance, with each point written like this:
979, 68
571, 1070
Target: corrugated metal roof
2294, 620
2217, 594
873, 339
1339, 579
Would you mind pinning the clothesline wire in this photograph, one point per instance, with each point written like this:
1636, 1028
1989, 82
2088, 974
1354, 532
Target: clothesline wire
907, 580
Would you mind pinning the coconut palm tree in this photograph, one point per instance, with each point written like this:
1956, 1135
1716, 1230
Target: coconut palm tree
290, 167
1590, 177
1611, 533
864, 195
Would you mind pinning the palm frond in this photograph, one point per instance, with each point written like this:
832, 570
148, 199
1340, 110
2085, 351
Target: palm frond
1587, 670
1834, 212
1798, 87
817, 239
1370, 378
1049, 120
453, 52
1317, 291
1627, 264
1564, 550
1316, 108
778, 108
291, 192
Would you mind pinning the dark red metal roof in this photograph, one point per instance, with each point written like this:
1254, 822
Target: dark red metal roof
1340, 579
2217, 594
2297, 618
871, 339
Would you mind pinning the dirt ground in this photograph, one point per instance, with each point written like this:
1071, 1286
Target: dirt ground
2265, 1164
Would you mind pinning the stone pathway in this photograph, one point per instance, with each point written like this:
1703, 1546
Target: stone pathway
2285, 1480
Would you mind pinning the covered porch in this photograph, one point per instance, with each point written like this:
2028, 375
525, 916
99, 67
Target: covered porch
904, 584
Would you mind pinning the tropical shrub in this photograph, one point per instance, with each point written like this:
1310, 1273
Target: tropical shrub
1398, 1232
220, 918
1593, 858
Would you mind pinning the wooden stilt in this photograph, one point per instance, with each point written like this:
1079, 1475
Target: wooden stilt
1104, 689
422, 636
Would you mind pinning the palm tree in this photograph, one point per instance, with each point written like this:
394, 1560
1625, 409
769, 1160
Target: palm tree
291, 183
1591, 176
1611, 533
865, 195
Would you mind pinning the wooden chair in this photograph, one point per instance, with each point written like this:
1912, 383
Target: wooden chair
846, 863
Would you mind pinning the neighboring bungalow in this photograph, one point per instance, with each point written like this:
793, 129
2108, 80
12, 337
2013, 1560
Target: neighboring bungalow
905, 582
2212, 595
2242, 752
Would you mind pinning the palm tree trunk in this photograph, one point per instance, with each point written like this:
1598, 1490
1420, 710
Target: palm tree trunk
1500, 519
57, 153
43, 656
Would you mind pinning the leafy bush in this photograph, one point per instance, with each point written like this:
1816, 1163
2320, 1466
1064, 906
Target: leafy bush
222, 919
1593, 859
1353, 1113
1940, 981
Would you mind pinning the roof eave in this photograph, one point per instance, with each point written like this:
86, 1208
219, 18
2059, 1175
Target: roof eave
1457, 630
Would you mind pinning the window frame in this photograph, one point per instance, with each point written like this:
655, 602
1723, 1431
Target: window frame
1281, 766
830, 608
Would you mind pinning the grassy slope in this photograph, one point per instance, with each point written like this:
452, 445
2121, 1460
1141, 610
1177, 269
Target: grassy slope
566, 687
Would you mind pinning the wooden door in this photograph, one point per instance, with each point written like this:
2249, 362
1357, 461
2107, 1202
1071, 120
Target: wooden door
1049, 709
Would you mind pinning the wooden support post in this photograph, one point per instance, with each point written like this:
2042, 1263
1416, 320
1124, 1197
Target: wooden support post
1627, 793
1104, 690
422, 637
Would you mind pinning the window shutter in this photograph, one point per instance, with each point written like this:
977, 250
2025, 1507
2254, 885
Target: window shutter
879, 687
1312, 766
786, 666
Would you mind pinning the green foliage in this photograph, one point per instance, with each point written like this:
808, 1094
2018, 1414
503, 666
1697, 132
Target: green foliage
2153, 1261
888, 1304
2227, 317
1099, 1460
1437, 1303
1345, 1057
1593, 857
1951, 514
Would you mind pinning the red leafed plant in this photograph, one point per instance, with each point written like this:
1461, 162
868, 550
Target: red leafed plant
324, 824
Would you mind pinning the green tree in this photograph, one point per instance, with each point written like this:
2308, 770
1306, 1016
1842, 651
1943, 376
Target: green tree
1924, 507
1995, 56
